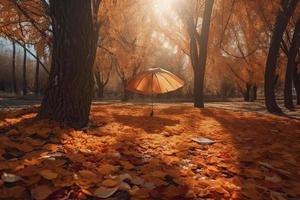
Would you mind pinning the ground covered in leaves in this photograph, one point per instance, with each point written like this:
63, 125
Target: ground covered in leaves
126, 154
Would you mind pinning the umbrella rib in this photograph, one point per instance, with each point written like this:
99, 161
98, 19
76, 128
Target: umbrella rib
157, 82
168, 81
137, 85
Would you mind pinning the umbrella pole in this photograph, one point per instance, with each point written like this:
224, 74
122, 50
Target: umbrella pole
152, 112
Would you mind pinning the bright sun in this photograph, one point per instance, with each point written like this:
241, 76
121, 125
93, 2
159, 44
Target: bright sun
161, 6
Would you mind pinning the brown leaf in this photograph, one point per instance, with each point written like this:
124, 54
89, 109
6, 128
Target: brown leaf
16, 192
106, 169
48, 174
41, 192
104, 192
110, 183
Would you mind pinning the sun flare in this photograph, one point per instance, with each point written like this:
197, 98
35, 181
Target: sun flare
161, 6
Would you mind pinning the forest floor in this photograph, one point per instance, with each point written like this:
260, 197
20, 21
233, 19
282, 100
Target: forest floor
126, 154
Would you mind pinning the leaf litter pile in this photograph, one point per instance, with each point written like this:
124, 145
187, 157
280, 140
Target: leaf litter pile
180, 153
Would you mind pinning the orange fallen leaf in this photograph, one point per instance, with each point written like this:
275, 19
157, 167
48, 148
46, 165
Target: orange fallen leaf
48, 174
41, 192
110, 183
24, 147
13, 132
15, 192
106, 169
87, 174
104, 192
273, 179
127, 165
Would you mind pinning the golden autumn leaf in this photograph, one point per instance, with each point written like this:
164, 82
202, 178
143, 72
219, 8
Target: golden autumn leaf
48, 174
110, 183
87, 174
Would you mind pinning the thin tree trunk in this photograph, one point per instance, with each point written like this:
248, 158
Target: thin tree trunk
254, 88
24, 73
69, 92
247, 92
280, 26
36, 79
14, 82
252, 93
100, 85
291, 65
200, 70
126, 93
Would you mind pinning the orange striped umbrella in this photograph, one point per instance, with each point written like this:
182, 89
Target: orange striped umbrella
155, 81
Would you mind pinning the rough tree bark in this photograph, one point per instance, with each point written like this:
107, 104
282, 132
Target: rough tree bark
199, 57
68, 95
24, 72
291, 65
282, 19
36, 77
13, 72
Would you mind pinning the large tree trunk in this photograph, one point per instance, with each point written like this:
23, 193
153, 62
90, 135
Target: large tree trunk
13, 72
69, 92
24, 72
36, 77
282, 20
291, 65
199, 71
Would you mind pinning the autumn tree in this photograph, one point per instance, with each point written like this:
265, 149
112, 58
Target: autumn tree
282, 20
198, 43
70, 88
103, 67
25, 23
291, 66
130, 39
241, 44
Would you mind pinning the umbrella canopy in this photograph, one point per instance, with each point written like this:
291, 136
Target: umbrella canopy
155, 81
